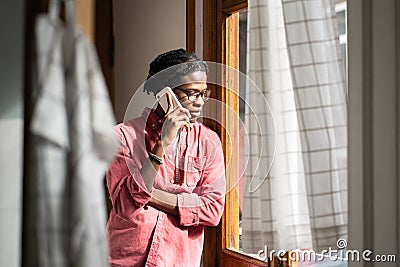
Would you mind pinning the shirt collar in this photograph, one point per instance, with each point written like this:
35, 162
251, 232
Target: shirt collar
152, 119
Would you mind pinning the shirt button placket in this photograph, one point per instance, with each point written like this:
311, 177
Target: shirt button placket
182, 141
154, 249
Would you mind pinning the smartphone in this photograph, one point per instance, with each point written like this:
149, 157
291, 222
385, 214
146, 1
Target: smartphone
162, 98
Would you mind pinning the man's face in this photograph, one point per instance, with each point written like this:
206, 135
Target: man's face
193, 92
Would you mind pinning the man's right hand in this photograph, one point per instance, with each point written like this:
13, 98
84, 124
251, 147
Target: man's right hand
175, 118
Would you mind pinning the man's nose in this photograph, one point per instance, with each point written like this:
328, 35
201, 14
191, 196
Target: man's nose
199, 101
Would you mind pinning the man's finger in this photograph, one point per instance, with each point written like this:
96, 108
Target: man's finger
185, 111
170, 104
183, 117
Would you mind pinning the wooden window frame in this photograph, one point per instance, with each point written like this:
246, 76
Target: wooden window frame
221, 44
220, 24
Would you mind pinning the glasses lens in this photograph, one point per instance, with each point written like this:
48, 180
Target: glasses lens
192, 96
205, 94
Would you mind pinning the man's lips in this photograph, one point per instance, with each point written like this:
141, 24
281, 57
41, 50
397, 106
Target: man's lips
195, 113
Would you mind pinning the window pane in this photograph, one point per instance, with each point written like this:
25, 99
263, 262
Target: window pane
248, 238
341, 18
242, 93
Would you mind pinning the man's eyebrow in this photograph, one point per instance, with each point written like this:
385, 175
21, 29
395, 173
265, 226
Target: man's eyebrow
194, 89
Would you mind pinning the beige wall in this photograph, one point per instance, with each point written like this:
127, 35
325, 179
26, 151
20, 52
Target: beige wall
143, 29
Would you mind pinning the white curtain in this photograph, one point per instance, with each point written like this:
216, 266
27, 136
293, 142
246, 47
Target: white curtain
293, 56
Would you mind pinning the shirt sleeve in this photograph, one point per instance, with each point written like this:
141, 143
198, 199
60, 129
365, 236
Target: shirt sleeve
205, 205
125, 184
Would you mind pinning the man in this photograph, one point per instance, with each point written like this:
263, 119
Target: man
168, 179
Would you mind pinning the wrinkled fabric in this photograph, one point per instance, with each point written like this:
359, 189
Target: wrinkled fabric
140, 235
93, 144
294, 58
46, 198
70, 143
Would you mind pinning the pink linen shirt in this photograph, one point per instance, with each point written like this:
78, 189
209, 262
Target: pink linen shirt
140, 235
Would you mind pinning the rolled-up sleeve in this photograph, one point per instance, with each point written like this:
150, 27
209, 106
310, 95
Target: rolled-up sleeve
205, 205
125, 184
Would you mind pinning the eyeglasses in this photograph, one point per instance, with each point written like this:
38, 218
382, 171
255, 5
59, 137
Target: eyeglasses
193, 95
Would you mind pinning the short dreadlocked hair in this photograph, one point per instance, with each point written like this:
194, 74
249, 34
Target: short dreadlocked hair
168, 68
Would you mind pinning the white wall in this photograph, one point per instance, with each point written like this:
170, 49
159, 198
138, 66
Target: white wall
143, 29
11, 130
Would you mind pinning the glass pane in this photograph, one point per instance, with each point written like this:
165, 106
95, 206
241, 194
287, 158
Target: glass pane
253, 227
341, 19
242, 93
343, 49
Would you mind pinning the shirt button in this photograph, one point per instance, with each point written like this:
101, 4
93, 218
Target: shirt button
153, 126
159, 121
169, 156
172, 181
145, 207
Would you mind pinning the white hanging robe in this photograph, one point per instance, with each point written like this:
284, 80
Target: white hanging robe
72, 143
91, 122
46, 189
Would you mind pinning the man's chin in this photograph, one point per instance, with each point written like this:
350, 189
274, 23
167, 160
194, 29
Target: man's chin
194, 115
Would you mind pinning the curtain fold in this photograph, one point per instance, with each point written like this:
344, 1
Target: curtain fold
293, 56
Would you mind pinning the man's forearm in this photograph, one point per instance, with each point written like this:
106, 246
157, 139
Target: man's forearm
164, 201
150, 167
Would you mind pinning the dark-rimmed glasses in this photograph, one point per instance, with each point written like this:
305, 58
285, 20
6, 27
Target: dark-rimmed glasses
192, 95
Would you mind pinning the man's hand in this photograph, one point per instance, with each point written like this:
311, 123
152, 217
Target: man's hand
175, 118
164, 201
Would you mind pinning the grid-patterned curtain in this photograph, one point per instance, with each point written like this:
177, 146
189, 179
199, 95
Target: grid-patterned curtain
293, 56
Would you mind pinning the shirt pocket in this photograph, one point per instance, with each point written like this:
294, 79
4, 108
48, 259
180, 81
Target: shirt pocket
194, 171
